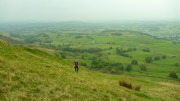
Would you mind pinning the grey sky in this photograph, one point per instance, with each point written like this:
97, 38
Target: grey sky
84, 10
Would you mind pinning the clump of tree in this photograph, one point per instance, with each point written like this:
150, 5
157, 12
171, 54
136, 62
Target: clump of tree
76, 50
146, 50
105, 66
117, 34
118, 66
157, 58
50, 46
128, 68
148, 59
59, 47
58, 35
143, 67
114, 68
45, 35
123, 52
15, 35
48, 41
32, 40
89, 37
134, 49
134, 62
79, 36
96, 63
176, 64
164, 57
124, 55
83, 64
63, 55
173, 75
110, 48
111, 43
83, 57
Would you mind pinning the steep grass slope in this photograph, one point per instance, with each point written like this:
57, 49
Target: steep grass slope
33, 75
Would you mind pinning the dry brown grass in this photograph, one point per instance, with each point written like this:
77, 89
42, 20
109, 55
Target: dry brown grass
125, 84
129, 85
137, 88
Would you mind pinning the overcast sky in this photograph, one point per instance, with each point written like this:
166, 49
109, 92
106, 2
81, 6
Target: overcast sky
88, 10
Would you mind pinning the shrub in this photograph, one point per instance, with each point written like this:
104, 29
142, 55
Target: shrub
173, 75
110, 48
157, 58
134, 49
148, 59
120, 67
146, 50
134, 62
83, 57
79, 36
164, 57
45, 35
83, 64
31, 40
89, 37
143, 67
63, 55
176, 64
129, 68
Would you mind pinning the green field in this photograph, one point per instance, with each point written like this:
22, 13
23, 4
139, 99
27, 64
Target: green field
108, 42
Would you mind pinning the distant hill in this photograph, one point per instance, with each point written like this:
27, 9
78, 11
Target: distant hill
32, 75
10, 40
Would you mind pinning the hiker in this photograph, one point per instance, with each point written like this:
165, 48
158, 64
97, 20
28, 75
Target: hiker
76, 66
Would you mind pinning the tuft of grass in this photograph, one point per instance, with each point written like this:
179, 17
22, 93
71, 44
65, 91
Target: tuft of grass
137, 88
142, 95
125, 84
129, 85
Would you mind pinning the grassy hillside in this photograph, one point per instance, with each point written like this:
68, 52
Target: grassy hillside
101, 46
33, 75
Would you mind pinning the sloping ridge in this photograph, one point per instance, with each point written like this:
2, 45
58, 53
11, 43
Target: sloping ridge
34, 75
10, 40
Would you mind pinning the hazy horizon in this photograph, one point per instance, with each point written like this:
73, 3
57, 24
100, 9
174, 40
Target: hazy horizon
88, 10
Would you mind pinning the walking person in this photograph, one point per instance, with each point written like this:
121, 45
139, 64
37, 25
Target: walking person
76, 66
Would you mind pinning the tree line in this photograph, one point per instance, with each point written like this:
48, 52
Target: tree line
122, 52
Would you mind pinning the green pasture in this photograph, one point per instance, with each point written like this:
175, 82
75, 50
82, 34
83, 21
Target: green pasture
124, 40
